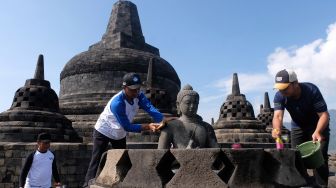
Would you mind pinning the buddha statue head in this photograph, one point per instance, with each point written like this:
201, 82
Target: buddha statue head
189, 130
187, 102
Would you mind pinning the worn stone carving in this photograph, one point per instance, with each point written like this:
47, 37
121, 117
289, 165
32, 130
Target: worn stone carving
210, 167
188, 131
183, 177
148, 162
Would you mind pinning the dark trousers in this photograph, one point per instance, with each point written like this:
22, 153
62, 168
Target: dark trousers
100, 143
299, 136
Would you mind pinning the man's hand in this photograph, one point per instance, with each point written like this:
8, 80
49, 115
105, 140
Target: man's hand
153, 126
149, 127
156, 126
276, 133
317, 136
322, 124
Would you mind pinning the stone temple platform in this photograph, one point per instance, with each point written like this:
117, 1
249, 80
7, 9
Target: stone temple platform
226, 167
201, 168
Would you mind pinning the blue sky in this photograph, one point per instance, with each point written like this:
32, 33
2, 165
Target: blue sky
205, 41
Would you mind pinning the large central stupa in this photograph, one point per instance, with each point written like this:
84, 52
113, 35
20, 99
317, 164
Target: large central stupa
92, 77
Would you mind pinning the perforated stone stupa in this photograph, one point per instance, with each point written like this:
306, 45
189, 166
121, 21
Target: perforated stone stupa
237, 122
92, 77
34, 110
266, 113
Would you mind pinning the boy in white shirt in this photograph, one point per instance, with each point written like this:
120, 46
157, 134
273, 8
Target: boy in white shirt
39, 166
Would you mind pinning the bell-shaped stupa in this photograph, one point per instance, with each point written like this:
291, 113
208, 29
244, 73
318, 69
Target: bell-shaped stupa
92, 77
266, 113
34, 110
237, 122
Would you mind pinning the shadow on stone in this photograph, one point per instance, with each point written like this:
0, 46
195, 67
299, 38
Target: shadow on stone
280, 168
166, 167
223, 167
123, 166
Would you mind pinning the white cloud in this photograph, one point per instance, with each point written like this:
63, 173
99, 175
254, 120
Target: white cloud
314, 62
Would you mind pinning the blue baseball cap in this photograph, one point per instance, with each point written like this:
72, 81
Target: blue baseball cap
132, 80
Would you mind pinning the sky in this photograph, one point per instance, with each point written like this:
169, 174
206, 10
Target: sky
205, 41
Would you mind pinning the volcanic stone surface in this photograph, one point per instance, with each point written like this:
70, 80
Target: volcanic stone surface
237, 122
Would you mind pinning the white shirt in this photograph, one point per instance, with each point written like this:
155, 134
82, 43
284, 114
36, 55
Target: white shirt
107, 123
41, 170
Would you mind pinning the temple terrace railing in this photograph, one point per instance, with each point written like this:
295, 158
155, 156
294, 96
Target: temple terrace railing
216, 167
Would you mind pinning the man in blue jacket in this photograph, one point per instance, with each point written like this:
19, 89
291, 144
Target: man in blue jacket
115, 121
309, 113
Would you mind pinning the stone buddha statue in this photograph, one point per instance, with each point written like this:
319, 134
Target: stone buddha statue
189, 130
